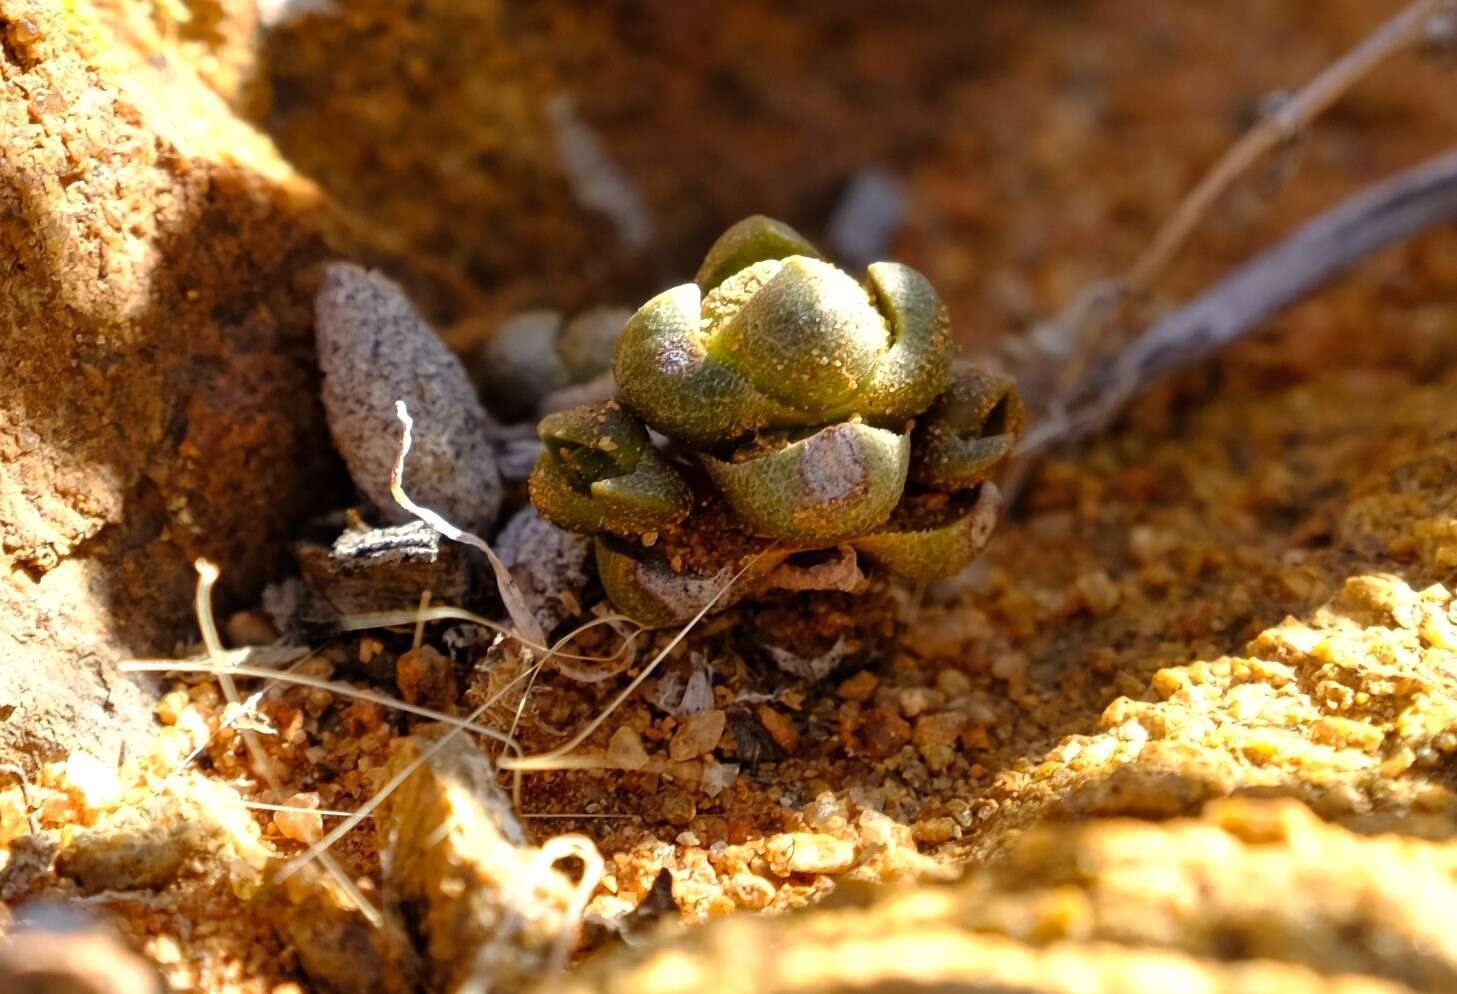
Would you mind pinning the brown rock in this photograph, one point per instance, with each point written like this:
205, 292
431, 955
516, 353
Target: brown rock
424, 676
673, 805
458, 872
781, 728
935, 736
1253, 896
859, 687
149, 846
879, 732
625, 749
159, 401
132, 855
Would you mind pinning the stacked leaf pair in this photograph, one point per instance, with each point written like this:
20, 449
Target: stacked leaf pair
819, 410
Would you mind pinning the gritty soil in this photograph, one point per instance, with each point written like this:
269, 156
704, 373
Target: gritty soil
1191, 719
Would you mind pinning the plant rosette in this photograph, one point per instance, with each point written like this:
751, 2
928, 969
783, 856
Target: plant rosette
819, 411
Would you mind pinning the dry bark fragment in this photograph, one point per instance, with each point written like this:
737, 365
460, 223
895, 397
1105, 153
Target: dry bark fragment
385, 569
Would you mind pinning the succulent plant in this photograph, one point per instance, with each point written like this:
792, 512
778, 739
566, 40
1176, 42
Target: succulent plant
808, 410
970, 430
600, 472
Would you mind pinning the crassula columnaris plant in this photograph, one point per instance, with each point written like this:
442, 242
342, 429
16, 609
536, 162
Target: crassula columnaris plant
804, 406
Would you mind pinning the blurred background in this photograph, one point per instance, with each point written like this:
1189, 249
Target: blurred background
587, 152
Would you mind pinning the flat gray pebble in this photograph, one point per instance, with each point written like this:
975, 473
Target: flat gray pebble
374, 349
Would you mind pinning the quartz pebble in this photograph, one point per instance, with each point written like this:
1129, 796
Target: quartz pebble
808, 852
305, 824
625, 749
698, 735
98, 784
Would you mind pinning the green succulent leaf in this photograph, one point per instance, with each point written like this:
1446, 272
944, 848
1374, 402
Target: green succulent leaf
772, 336
972, 428
915, 548
600, 472
754, 239
913, 371
664, 373
841, 481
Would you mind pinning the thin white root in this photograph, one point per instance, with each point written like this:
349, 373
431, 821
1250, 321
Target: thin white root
511, 595
420, 625
553, 851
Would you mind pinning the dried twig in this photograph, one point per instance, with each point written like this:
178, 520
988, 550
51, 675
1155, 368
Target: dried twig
1096, 376
1323, 248
1406, 28
1077, 339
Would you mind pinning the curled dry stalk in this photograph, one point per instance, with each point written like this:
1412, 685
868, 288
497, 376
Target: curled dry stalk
1097, 374
1408, 27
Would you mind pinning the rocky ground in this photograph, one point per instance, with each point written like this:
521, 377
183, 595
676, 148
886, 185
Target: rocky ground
1189, 724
